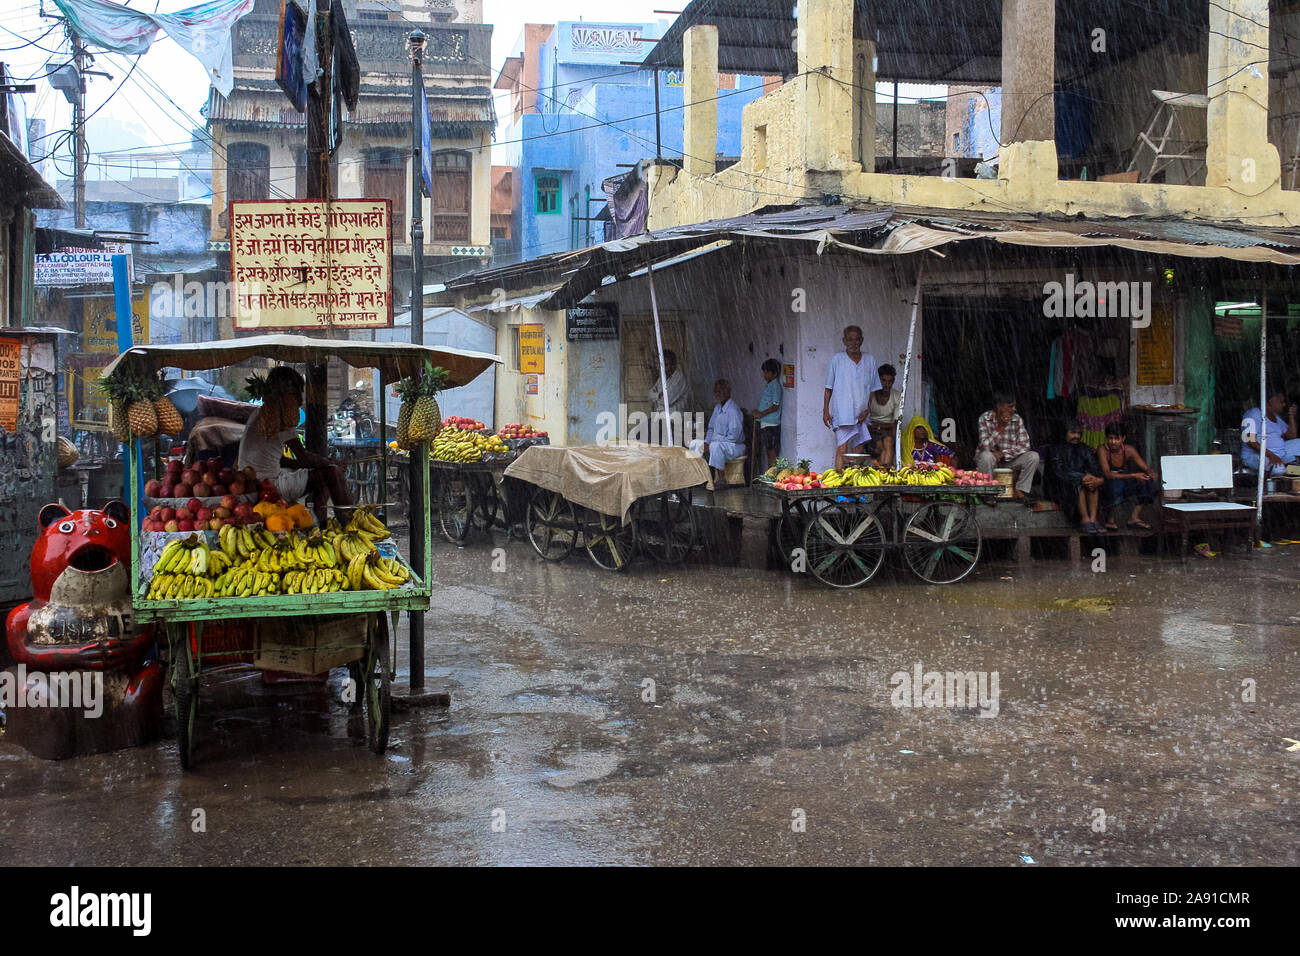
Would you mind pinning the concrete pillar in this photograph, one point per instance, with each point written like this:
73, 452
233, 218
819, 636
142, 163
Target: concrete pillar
700, 132
864, 111
1028, 70
1238, 153
826, 50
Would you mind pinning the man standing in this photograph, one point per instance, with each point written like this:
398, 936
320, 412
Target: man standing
850, 380
725, 438
1281, 444
1004, 443
676, 385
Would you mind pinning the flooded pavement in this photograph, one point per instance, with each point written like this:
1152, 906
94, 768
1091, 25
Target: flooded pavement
705, 715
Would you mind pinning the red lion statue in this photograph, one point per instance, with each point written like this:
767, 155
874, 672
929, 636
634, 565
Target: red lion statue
78, 637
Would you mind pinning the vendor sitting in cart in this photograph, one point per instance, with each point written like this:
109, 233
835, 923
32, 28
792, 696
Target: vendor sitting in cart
305, 472
725, 438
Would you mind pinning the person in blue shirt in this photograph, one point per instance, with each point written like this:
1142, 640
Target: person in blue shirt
1281, 444
768, 413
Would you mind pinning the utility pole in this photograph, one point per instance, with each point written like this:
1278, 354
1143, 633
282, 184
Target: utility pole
79, 132
320, 96
418, 121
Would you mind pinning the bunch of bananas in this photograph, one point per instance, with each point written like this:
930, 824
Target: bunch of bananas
186, 569
253, 561
874, 477
453, 444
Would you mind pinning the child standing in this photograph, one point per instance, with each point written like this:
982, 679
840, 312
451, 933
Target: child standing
768, 414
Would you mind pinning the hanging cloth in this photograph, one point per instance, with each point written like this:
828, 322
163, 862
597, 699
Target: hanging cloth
203, 31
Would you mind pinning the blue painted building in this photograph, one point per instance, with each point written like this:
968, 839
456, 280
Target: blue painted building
580, 117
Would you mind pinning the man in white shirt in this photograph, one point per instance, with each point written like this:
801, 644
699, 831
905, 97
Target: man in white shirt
1281, 437
725, 438
676, 385
850, 380
302, 473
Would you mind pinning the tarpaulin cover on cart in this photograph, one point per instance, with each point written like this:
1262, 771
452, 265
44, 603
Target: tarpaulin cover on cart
608, 478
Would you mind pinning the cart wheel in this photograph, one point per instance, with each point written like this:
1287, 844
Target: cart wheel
551, 525
666, 526
844, 546
609, 542
455, 504
186, 691
375, 687
488, 506
941, 542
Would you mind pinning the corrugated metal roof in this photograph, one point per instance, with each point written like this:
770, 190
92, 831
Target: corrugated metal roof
881, 230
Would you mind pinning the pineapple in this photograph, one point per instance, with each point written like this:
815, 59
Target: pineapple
169, 419
407, 389
133, 411
804, 465
121, 427
140, 413
426, 417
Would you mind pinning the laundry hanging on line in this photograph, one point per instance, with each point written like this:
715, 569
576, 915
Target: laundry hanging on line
202, 30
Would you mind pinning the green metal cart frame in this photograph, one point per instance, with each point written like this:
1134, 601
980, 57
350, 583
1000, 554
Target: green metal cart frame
373, 672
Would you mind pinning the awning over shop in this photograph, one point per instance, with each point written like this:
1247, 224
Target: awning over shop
395, 360
20, 182
565, 278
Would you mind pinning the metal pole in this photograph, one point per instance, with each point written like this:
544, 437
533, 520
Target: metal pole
320, 97
1263, 409
907, 366
79, 137
895, 164
418, 557
659, 150
659, 343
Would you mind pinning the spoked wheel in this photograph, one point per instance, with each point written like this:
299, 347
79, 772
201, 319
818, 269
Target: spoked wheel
552, 525
941, 542
609, 541
844, 546
488, 506
455, 504
186, 692
373, 688
666, 526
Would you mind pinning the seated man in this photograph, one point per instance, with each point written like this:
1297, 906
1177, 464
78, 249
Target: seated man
1073, 479
304, 472
725, 438
1281, 441
1004, 443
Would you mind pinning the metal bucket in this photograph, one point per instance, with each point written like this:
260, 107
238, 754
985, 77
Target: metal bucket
1005, 477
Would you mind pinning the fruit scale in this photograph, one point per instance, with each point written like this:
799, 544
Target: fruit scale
318, 600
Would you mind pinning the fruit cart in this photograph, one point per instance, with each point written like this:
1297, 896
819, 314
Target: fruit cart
614, 500
323, 597
468, 465
840, 535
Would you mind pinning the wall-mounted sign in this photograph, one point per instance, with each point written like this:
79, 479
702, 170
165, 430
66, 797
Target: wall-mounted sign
289, 54
585, 323
305, 264
787, 372
11, 360
70, 267
99, 327
530, 384
532, 349
88, 404
1155, 349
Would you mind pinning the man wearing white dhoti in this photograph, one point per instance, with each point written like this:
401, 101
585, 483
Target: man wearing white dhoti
725, 438
850, 380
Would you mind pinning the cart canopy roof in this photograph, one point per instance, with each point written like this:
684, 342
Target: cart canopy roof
394, 360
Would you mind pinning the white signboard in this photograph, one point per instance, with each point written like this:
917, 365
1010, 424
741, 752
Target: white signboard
71, 267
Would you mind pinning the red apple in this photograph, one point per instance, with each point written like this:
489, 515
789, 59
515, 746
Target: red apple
181, 490
219, 491
185, 526
172, 525
189, 476
228, 502
203, 490
166, 514
226, 476
222, 512
153, 488
215, 524
271, 496
174, 467
209, 477
202, 514
236, 487
244, 511
194, 504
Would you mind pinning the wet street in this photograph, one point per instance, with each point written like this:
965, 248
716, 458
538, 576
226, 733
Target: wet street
706, 715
